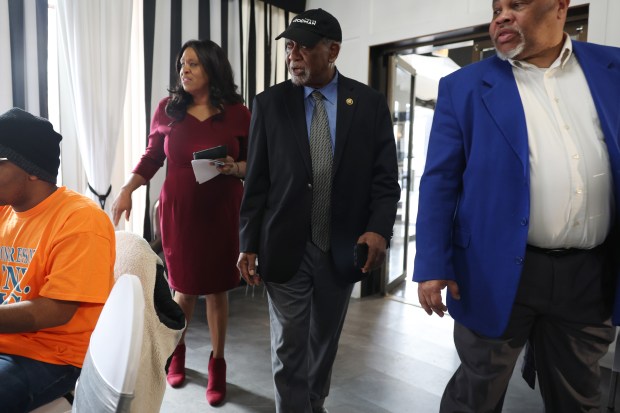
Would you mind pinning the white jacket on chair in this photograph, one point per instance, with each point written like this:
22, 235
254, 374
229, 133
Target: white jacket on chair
164, 320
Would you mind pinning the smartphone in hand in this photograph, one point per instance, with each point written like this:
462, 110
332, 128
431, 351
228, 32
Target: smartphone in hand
360, 255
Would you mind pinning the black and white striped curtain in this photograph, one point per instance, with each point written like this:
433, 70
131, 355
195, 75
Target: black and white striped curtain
23, 55
262, 22
245, 28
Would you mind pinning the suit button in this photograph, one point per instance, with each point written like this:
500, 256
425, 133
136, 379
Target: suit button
519, 260
309, 186
524, 221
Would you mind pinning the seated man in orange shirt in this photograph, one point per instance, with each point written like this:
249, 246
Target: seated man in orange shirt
56, 267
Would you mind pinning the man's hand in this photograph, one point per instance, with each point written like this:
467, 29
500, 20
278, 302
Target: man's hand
376, 250
429, 294
247, 267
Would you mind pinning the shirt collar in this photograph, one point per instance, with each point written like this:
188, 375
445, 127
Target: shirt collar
329, 91
565, 54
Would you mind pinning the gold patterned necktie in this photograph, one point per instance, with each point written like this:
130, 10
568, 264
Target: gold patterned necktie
321, 154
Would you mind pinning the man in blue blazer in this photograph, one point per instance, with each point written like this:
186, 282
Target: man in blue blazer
518, 210
307, 262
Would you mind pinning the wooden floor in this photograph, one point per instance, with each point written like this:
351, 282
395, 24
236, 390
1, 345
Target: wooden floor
392, 358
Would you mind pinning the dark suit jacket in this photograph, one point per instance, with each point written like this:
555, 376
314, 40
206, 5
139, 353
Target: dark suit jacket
474, 207
277, 199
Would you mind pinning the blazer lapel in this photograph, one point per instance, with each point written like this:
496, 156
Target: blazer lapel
602, 76
503, 102
294, 104
346, 106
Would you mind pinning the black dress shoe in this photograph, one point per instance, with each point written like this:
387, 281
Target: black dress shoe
320, 410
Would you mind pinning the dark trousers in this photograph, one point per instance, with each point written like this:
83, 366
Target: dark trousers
27, 384
306, 317
563, 308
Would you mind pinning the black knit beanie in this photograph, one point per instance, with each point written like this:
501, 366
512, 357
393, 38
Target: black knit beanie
31, 143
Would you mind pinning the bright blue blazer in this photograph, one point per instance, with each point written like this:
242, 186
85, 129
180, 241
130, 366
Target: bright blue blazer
474, 206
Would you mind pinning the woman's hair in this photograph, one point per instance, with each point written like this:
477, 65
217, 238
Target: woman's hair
222, 88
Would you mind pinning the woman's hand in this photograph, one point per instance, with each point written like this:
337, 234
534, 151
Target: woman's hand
121, 204
230, 167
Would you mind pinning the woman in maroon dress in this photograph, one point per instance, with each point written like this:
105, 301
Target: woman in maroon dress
199, 222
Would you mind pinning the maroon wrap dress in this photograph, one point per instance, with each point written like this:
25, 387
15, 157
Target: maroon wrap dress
199, 222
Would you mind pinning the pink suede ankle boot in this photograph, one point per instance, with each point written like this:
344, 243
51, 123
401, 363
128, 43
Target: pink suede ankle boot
216, 388
176, 370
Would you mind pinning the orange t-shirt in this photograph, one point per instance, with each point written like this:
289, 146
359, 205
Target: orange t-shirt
63, 249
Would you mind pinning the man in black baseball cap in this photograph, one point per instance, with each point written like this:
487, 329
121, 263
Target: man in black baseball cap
311, 26
322, 145
312, 46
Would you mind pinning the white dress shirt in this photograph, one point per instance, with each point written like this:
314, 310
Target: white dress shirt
571, 196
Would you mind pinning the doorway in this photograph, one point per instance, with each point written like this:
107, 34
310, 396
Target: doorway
401, 98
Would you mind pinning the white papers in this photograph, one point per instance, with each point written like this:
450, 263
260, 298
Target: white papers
204, 169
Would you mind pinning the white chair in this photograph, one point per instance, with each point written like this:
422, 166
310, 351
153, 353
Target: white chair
110, 368
108, 377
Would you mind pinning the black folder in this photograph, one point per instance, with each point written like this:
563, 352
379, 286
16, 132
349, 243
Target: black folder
216, 152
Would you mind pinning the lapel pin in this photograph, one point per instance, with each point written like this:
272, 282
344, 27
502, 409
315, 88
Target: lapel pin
349, 101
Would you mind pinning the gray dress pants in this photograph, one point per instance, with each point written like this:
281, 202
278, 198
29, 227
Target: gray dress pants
306, 317
563, 308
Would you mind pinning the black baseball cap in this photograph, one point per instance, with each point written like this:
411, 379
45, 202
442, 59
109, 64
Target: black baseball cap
311, 26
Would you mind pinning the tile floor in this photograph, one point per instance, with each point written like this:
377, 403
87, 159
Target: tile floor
393, 358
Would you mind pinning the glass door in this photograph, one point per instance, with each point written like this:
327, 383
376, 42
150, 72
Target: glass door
401, 85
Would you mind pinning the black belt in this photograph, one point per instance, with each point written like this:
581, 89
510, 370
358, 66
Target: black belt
555, 252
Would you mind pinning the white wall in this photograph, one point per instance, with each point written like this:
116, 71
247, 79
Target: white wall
368, 23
